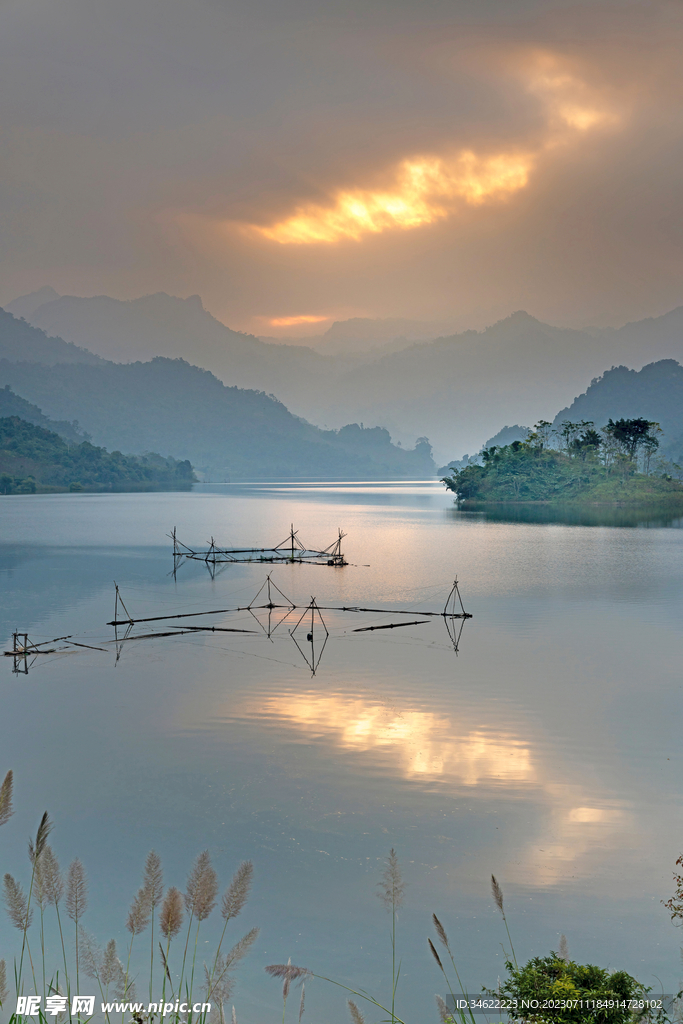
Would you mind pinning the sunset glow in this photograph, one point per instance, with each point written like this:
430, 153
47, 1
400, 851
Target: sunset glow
292, 321
428, 188
420, 743
425, 190
569, 101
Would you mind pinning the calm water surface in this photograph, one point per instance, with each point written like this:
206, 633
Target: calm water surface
547, 750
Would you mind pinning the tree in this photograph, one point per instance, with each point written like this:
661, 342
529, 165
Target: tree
569, 432
650, 445
675, 904
540, 436
586, 443
630, 435
564, 981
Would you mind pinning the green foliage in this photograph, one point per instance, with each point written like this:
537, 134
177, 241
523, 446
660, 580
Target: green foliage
655, 392
12, 404
33, 458
576, 463
553, 978
675, 904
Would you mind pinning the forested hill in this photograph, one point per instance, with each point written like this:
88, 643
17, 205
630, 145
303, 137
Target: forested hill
170, 406
654, 393
34, 459
15, 405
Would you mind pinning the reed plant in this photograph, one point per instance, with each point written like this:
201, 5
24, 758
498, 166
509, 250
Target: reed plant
391, 893
173, 968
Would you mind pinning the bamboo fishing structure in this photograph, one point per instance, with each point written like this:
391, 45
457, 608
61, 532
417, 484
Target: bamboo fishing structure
449, 610
309, 633
291, 549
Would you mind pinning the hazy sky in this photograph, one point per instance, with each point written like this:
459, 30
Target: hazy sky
296, 161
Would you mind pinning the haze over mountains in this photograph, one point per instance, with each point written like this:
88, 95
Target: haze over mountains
168, 406
457, 390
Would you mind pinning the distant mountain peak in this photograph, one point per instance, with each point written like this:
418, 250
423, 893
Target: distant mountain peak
26, 305
520, 316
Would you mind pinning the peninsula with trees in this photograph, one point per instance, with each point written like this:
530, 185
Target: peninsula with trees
35, 460
577, 463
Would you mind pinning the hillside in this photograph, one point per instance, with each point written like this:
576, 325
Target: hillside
655, 393
167, 405
20, 341
34, 459
165, 325
171, 406
14, 405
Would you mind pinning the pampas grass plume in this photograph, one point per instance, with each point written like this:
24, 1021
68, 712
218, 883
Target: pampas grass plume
237, 893
241, 948
3, 983
392, 887
356, 1016
139, 913
288, 972
171, 916
43, 832
91, 954
51, 876
153, 879
6, 809
497, 893
111, 965
440, 931
435, 954
443, 1010
202, 888
76, 891
16, 903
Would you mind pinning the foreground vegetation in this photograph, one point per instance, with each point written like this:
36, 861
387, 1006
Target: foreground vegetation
578, 464
35, 460
176, 977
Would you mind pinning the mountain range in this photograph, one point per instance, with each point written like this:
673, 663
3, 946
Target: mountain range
457, 389
169, 406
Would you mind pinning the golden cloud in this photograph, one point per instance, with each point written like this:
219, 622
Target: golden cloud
424, 745
425, 190
428, 188
291, 321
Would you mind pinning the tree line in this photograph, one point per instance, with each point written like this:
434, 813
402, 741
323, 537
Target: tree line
631, 443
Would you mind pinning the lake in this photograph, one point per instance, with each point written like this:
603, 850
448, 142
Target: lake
545, 750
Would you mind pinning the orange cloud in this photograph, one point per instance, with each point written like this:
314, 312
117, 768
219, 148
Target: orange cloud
429, 188
291, 321
425, 190
569, 102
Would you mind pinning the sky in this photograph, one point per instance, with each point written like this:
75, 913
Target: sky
296, 162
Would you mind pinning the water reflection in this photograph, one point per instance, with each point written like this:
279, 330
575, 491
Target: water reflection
576, 820
648, 516
417, 744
